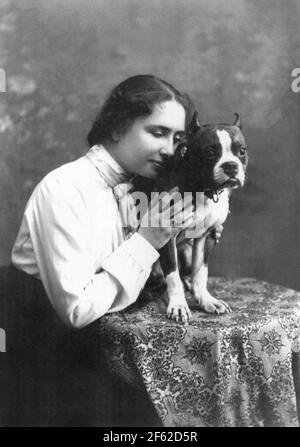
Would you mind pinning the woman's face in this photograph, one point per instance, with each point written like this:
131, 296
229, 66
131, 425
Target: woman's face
145, 146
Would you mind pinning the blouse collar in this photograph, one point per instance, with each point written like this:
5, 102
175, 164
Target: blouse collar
107, 166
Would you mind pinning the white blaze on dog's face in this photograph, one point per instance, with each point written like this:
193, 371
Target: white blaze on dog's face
229, 167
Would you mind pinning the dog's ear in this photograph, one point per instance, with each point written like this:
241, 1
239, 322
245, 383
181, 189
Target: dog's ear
238, 121
194, 125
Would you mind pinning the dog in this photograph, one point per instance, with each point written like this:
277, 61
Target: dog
211, 161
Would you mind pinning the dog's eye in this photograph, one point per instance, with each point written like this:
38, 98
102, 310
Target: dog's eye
210, 153
242, 151
177, 140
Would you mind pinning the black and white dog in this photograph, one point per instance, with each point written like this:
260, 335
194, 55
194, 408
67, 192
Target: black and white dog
213, 162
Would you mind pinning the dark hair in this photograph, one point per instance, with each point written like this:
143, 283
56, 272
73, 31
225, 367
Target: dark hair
132, 98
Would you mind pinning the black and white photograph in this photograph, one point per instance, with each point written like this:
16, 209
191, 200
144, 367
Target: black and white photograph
149, 223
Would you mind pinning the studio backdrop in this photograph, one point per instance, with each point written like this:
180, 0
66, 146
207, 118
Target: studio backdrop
59, 59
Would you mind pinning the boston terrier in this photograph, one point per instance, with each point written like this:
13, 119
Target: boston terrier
210, 164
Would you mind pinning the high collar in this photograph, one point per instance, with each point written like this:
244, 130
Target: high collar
107, 166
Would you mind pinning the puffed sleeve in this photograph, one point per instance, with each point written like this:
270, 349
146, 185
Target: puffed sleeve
60, 228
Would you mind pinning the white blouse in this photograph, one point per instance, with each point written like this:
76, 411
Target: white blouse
71, 237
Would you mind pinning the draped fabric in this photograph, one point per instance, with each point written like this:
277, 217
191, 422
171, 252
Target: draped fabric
241, 369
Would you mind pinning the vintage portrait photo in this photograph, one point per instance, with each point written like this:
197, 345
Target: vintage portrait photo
149, 224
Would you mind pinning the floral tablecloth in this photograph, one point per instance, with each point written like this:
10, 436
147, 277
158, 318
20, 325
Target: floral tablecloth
232, 370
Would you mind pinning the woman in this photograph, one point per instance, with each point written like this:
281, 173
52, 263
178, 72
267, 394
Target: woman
73, 255
71, 236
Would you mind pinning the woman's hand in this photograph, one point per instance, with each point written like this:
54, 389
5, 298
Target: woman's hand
160, 224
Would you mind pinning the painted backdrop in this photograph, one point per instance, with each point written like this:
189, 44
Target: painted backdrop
62, 57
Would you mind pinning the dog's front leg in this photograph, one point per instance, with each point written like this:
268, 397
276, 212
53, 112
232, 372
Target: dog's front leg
178, 308
201, 250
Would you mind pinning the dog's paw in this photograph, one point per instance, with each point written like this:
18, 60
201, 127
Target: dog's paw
212, 305
179, 311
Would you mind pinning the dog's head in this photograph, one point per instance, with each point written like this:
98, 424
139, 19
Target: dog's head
214, 157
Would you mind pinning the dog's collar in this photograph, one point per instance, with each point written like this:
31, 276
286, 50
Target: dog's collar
213, 194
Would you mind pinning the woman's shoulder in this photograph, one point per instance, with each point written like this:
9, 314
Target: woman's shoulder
71, 172
76, 178
79, 172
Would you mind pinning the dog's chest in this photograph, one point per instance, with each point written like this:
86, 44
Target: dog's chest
210, 214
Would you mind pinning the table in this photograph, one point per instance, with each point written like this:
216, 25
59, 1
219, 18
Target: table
240, 369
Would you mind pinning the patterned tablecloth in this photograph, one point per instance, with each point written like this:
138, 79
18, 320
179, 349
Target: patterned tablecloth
232, 370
